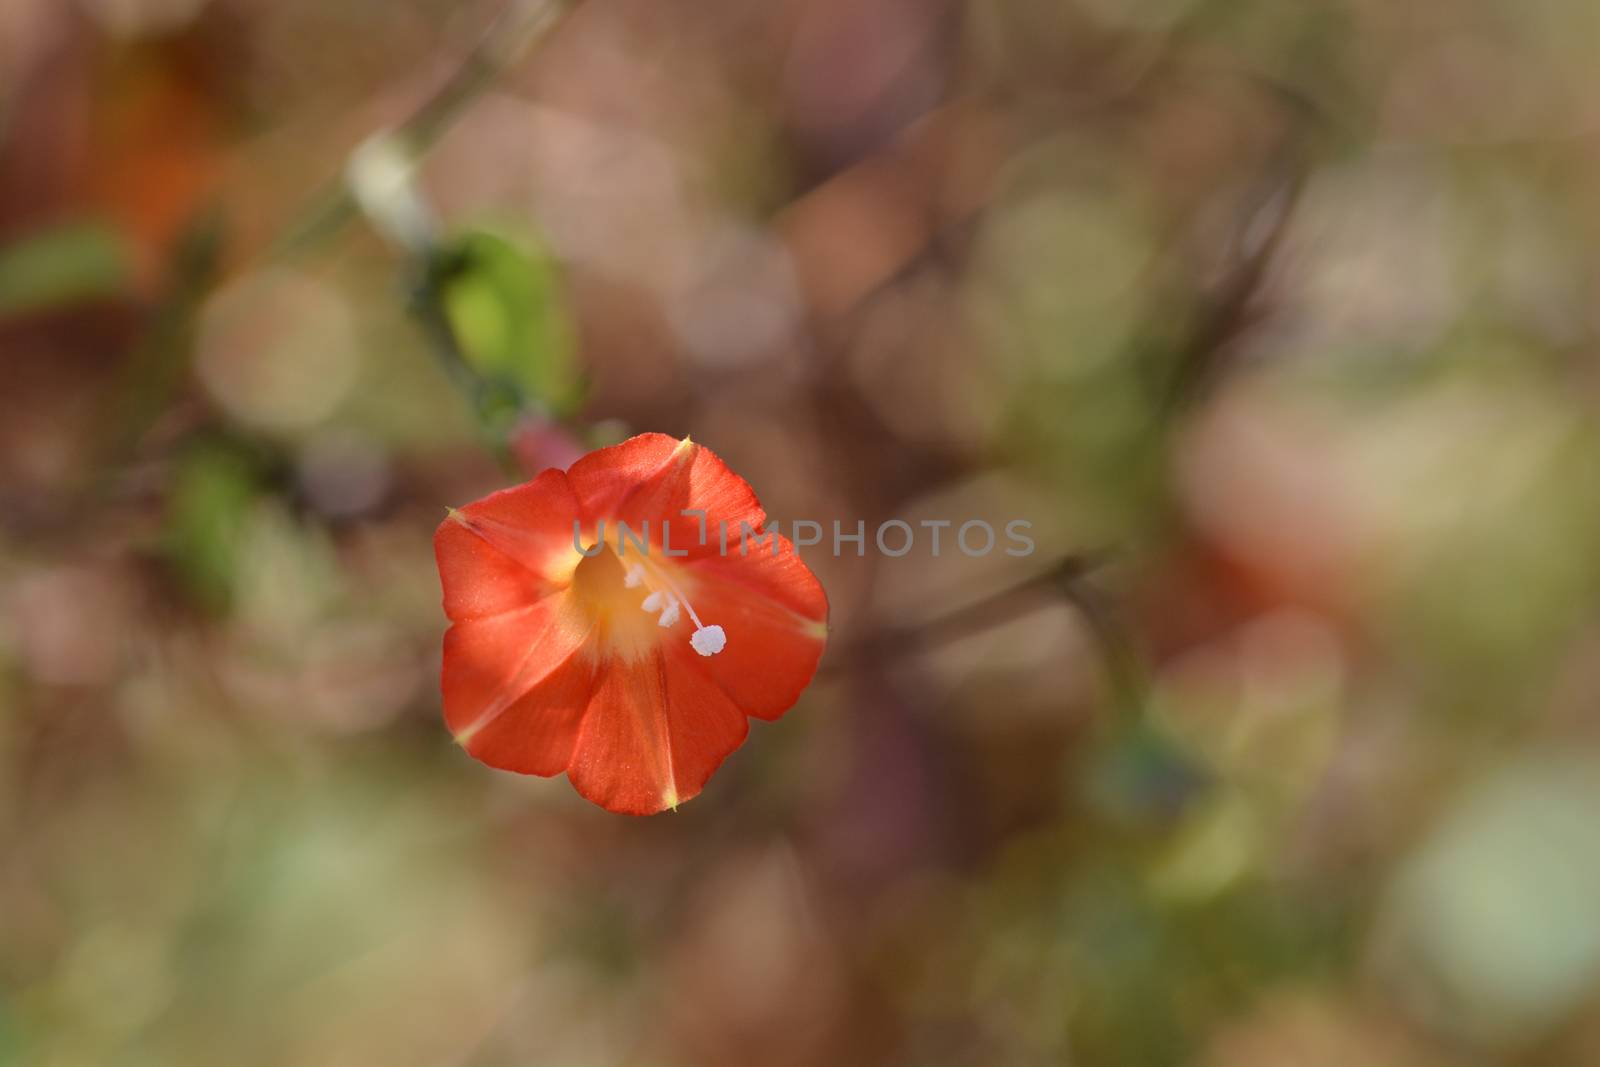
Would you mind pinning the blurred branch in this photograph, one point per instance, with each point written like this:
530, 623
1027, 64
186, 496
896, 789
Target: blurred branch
513, 33
429, 306
1204, 353
379, 182
1126, 673
1071, 579
157, 367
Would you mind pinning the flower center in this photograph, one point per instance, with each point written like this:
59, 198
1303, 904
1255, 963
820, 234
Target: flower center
634, 603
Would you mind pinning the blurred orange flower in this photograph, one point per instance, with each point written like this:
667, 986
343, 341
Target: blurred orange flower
630, 663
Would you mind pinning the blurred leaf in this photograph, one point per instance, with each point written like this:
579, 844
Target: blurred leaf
66, 265
506, 305
212, 492
157, 365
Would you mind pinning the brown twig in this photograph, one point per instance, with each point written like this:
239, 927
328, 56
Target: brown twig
1069, 580
518, 27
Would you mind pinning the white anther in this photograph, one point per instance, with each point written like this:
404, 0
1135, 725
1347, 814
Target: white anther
709, 640
672, 604
634, 578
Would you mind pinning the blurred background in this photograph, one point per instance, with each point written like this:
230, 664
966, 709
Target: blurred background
1277, 321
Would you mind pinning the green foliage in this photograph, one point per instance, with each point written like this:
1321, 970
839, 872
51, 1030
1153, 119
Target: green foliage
506, 307
213, 490
65, 265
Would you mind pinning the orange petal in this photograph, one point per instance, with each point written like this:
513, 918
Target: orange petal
516, 685
654, 478
654, 732
508, 549
775, 615
479, 579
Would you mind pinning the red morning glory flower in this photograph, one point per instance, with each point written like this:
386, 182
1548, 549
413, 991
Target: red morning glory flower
602, 627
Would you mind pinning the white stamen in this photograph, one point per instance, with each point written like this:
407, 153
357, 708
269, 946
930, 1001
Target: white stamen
671, 603
708, 640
